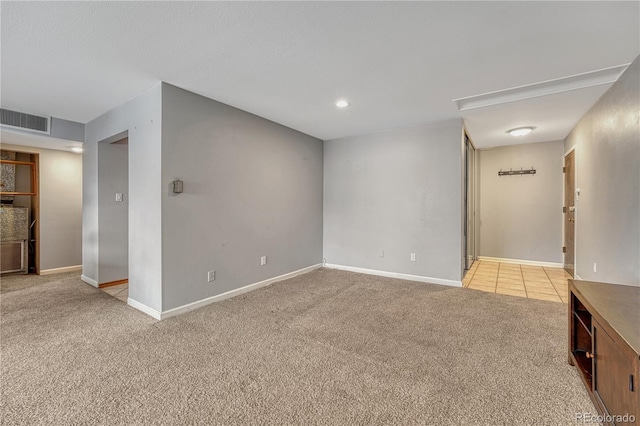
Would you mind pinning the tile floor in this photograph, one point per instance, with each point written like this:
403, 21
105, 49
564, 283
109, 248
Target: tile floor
120, 291
534, 282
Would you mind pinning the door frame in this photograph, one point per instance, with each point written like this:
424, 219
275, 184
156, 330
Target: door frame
573, 149
470, 197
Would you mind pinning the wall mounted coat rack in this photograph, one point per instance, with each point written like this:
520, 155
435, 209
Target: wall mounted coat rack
520, 172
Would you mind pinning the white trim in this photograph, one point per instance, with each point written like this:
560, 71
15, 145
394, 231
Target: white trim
544, 88
521, 261
236, 292
61, 270
89, 280
398, 275
569, 151
144, 308
577, 277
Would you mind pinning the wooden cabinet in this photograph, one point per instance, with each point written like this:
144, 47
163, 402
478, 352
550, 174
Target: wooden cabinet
604, 345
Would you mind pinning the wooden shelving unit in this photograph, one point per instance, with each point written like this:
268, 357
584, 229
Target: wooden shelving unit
604, 345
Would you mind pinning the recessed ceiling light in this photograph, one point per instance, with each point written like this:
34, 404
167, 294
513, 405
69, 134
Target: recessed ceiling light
342, 103
520, 131
77, 149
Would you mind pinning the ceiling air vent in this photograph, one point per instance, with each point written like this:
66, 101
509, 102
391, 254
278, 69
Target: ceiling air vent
20, 120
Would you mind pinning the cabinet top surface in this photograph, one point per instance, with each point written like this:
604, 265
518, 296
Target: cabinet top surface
619, 305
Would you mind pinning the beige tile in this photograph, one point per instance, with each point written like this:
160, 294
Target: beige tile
510, 282
543, 296
555, 271
485, 273
517, 277
509, 267
483, 281
510, 271
533, 269
482, 288
485, 264
535, 274
122, 298
538, 280
564, 295
559, 282
541, 289
486, 268
511, 292
510, 278
538, 283
115, 289
512, 286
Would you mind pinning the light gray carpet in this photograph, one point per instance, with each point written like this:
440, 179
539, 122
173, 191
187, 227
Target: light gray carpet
14, 282
327, 347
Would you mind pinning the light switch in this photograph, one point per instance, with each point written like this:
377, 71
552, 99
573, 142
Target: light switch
119, 196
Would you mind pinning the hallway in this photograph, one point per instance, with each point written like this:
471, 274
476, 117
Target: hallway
533, 282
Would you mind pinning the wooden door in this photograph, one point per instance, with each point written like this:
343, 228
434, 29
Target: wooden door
569, 212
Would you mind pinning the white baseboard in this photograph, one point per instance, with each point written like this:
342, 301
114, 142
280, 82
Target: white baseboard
144, 308
89, 281
577, 277
398, 275
60, 270
521, 261
200, 303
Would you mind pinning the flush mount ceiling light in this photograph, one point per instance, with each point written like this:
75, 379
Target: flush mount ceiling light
520, 131
77, 149
342, 103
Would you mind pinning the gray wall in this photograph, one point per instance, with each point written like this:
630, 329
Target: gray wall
521, 216
607, 141
251, 188
399, 191
60, 189
141, 117
113, 172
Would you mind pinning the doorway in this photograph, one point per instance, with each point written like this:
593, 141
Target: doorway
20, 202
469, 203
569, 211
113, 204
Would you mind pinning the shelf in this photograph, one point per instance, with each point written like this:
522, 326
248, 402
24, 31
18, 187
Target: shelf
584, 318
585, 365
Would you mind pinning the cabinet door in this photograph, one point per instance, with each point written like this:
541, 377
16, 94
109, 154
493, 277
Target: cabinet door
612, 370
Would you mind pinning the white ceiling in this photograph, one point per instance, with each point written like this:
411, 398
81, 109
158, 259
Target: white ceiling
399, 64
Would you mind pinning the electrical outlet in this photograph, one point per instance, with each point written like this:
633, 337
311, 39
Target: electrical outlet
595, 267
263, 260
211, 276
381, 253
119, 196
413, 257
